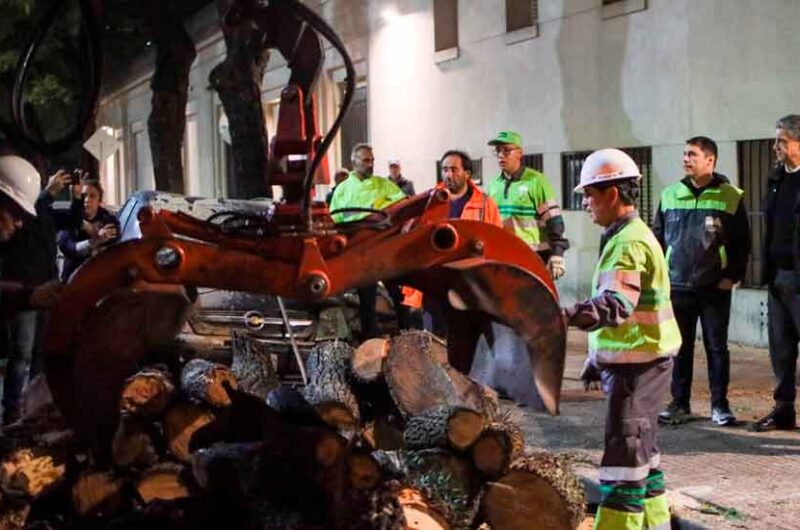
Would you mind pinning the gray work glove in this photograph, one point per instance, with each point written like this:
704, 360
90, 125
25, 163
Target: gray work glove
590, 375
556, 267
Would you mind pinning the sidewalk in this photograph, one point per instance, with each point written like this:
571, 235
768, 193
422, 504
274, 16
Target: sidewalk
720, 478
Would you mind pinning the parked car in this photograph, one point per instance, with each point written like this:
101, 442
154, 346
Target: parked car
219, 312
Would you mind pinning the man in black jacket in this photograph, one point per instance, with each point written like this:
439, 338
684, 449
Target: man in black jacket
782, 272
702, 225
23, 213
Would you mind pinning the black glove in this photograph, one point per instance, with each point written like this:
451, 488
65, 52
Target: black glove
590, 375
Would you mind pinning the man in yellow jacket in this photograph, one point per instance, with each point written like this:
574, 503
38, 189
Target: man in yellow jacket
633, 335
353, 199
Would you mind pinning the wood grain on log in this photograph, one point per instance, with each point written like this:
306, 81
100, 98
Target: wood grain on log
32, 471
368, 358
496, 448
540, 491
418, 512
148, 392
202, 382
444, 426
180, 423
417, 380
97, 493
164, 482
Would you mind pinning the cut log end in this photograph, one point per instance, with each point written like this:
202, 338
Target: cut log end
162, 482
463, 428
364, 471
418, 512
539, 492
147, 393
367, 364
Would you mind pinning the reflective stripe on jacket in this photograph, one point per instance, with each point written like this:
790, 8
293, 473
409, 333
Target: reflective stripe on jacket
373, 192
529, 210
701, 234
632, 267
481, 207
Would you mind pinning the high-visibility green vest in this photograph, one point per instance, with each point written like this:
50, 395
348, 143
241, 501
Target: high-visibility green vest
373, 192
525, 206
696, 230
632, 266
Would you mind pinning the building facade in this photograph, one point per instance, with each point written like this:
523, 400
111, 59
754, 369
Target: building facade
570, 76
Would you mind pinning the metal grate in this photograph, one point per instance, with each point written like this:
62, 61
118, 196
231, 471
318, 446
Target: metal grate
535, 161
571, 164
521, 14
755, 159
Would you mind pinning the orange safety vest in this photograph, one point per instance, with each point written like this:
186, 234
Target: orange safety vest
480, 207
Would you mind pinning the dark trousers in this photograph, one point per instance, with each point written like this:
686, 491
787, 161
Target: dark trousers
783, 304
631, 459
713, 308
24, 332
366, 308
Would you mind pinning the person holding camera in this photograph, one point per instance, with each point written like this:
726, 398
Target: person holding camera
98, 229
28, 224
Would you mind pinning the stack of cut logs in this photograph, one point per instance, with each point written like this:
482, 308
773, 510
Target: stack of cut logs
386, 436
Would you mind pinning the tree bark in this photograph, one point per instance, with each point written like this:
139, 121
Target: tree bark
328, 388
148, 392
237, 80
444, 426
175, 53
252, 366
204, 382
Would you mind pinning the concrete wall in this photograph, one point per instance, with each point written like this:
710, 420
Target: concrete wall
580, 81
654, 77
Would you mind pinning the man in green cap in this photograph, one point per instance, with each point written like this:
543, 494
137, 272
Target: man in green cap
528, 204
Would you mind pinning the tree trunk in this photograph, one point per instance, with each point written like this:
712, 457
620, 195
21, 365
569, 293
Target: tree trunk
540, 491
148, 392
175, 53
237, 80
180, 423
203, 382
328, 389
416, 378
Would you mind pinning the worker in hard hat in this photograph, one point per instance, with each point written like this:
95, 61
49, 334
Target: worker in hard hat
19, 196
633, 336
528, 204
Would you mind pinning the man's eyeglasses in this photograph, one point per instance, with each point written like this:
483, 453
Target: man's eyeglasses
504, 151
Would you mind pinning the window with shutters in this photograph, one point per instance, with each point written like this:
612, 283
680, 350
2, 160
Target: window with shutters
755, 160
534, 161
571, 164
445, 24
521, 14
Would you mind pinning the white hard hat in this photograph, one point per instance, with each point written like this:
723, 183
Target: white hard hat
19, 180
607, 165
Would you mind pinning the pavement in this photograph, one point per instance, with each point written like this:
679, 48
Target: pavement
717, 477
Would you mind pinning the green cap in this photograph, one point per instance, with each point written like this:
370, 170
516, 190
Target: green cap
507, 137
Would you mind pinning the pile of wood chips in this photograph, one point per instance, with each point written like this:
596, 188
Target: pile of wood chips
385, 436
